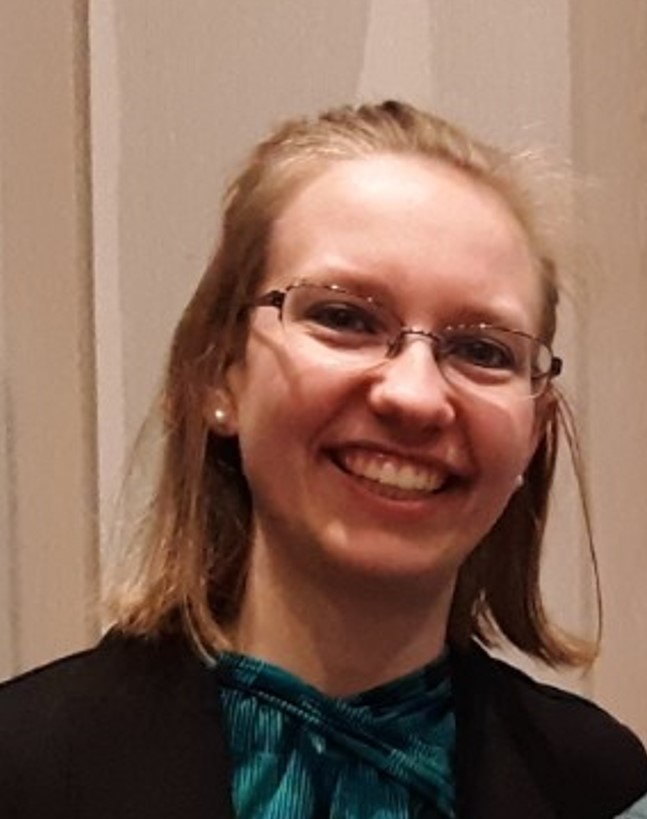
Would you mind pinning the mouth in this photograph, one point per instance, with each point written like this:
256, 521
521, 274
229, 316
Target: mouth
392, 476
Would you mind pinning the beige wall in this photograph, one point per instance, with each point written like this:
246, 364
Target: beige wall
609, 54
47, 473
180, 92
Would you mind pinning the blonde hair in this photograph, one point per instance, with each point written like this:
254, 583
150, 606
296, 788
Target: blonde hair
189, 566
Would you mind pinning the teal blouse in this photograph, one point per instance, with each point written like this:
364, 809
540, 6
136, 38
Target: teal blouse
299, 754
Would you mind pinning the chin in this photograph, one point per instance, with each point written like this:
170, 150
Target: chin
391, 562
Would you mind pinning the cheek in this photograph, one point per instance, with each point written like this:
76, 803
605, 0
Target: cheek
502, 444
281, 410
504, 439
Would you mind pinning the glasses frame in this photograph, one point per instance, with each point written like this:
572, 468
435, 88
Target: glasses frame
276, 298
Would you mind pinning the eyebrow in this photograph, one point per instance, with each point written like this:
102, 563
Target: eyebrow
494, 316
361, 284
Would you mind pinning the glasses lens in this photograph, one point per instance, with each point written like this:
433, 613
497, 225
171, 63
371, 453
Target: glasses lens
489, 358
338, 328
341, 327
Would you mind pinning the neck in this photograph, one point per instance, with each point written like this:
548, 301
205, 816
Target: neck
343, 634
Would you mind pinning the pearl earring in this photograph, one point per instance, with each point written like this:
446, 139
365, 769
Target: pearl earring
221, 416
518, 481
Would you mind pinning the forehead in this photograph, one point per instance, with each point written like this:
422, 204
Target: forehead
406, 224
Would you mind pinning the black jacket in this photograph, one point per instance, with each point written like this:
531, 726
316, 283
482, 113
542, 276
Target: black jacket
132, 730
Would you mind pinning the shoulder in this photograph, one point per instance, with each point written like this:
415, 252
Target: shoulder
571, 747
39, 704
119, 668
119, 674
69, 728
572, 725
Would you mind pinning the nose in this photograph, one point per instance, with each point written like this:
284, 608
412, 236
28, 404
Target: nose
410, 387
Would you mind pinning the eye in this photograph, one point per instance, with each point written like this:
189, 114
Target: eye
343, 317
481, 350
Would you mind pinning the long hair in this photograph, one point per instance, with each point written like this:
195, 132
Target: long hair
189, 563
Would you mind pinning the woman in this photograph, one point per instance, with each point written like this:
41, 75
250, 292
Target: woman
360, 437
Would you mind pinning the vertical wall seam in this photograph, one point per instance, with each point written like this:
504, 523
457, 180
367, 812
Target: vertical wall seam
105, 118
8, 502
87, 347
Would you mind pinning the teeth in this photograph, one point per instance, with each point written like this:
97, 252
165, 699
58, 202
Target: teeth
389, 471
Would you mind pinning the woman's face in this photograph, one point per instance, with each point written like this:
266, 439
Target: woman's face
386, 471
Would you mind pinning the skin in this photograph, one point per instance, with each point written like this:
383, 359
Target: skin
350, 582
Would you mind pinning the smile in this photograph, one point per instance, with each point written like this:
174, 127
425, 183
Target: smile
390, 473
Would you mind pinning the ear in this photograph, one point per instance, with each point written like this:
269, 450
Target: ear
219, 411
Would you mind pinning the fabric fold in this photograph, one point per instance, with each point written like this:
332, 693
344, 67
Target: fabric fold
296, 749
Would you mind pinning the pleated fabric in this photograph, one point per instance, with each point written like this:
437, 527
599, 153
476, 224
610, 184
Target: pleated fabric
298, 754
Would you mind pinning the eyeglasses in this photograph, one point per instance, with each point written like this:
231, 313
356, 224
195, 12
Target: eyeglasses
346, 330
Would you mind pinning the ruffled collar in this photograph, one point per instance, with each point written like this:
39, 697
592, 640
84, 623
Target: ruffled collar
397, 738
